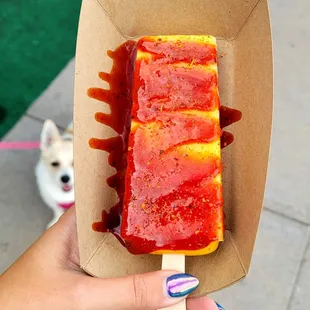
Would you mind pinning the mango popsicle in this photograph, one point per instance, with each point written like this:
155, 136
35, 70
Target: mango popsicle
173, 201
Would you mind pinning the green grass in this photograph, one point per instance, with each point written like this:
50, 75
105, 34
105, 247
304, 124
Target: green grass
37, 39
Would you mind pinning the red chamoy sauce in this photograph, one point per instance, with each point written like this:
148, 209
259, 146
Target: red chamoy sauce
228, 116
119, 98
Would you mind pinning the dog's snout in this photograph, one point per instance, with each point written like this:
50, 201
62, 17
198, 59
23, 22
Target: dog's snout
65, 178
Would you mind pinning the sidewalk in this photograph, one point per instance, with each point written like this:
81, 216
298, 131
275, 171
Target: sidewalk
281, 264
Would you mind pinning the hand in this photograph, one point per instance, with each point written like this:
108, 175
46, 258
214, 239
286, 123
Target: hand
48, 277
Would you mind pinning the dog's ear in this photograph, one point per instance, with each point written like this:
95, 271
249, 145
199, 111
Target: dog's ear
49, 134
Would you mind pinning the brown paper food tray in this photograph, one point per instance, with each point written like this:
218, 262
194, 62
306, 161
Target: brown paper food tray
242, 29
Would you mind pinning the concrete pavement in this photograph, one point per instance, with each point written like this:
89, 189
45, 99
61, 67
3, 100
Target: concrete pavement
281, 263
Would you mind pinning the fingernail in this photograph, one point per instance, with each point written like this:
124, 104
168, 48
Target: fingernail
219, 306
179, 285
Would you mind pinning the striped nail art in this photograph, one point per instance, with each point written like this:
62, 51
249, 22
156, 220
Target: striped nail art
182, 284
219, 306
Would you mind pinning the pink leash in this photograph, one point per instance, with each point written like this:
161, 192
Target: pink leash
25, 145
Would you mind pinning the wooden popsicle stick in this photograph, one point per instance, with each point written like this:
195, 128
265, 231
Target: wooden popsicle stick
174, 262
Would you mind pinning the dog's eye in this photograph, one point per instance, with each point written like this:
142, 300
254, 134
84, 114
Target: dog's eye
55, 163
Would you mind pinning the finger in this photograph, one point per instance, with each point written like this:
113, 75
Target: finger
68, 219
66, 225
202, 303
154, 290
61, 240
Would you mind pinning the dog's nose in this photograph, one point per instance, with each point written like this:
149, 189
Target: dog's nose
65, 178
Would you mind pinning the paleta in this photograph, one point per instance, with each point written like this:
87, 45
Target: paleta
173, 186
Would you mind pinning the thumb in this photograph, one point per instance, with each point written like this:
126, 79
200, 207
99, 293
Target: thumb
153, 290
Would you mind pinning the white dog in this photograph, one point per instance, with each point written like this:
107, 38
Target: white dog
54, 171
